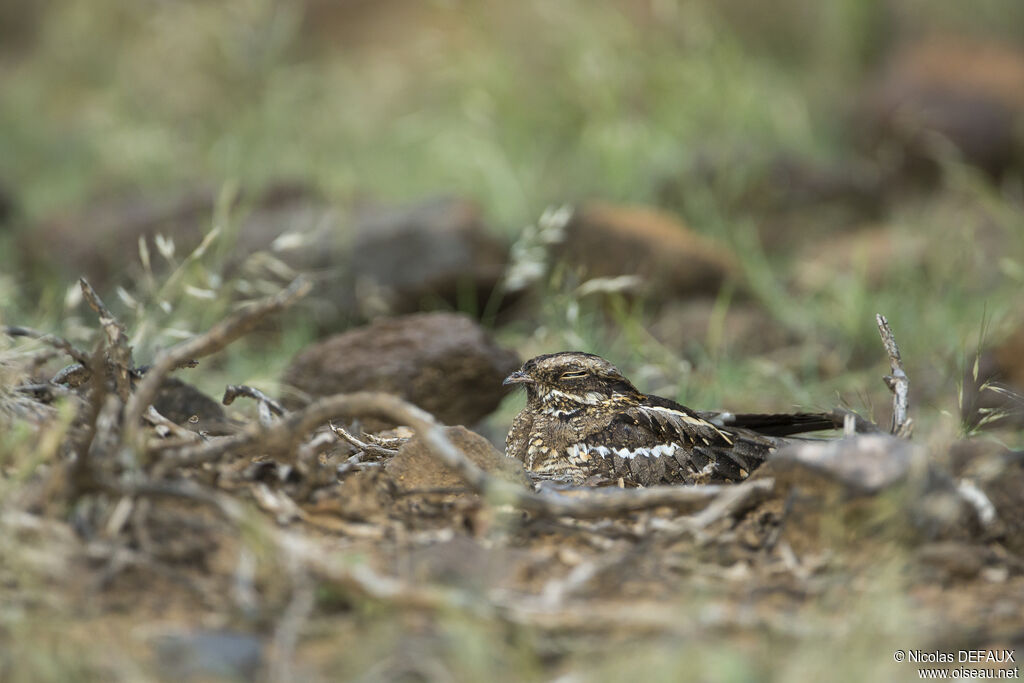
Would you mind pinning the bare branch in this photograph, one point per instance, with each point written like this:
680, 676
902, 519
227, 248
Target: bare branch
585, 503
216, 338
733, 500
81, 471
368, 448
233, 391
186, 363
898, 382
156, 419
119, 354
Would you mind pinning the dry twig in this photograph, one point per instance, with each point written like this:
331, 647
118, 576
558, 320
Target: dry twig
365, 447
119, 354
233, 391
162, 423
80, 469
898, 382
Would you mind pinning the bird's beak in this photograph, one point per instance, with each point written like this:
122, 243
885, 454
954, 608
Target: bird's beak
518, 377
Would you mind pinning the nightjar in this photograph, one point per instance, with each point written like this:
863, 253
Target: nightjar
585, 423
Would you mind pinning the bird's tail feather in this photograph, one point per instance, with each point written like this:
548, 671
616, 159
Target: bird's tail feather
776, 424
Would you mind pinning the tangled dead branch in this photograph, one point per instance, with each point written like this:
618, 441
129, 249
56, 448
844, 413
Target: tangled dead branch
233, 391
118, 353
216, 338
285, 436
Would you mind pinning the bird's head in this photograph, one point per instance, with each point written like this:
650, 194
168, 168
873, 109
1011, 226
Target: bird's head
570, 377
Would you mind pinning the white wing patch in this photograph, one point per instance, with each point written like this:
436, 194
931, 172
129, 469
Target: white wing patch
581, 452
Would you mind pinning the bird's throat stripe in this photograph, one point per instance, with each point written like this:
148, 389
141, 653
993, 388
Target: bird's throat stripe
590, 398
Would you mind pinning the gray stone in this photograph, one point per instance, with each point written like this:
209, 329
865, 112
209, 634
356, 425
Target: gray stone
445, 363
409, 258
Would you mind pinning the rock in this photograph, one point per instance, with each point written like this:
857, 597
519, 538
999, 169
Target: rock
876, 488
438, 250
208, 655
608, 241
100, 242
864, 465
443, 362
792, 183
952, 560
971, 95
416, 468
778, 187
1009, 358
793, 200
179, 402
745, 328
872, 254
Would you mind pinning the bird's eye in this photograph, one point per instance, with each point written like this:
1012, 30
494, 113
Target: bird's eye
574, 374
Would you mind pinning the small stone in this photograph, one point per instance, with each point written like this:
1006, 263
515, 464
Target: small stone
415, 467
99, 241
863, 465
948, 91
952, 560
872, 255
445, 363
410, 258
875, 487
744, 328
179, 402
673, 261
208, 655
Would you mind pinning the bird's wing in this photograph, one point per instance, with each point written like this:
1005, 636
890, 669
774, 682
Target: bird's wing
661, 441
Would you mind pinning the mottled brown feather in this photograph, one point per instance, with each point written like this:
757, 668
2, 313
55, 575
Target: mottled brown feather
586, 423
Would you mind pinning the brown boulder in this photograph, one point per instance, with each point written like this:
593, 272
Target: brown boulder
607, 241
743, 327
179, 402
443, 362
971, 95
416, 468
1009, 358
870, 487
438, 250
100, 241
872, 254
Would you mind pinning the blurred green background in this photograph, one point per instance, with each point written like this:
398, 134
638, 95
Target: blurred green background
773, 130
